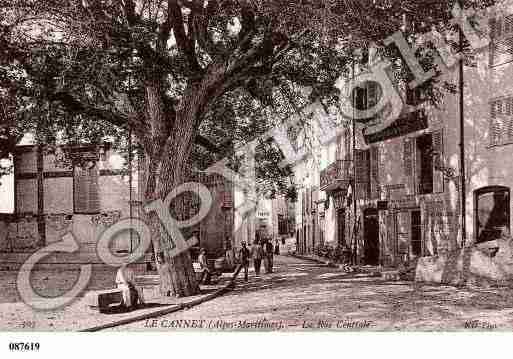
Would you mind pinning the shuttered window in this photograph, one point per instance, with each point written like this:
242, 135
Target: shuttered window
374, 172
424, 164
501, 121
373, 94
408, 164
86, 191
227, 197
438, 161
367, 96
501, 44
362, 159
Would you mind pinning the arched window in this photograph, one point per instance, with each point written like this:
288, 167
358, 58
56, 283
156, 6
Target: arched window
492, 209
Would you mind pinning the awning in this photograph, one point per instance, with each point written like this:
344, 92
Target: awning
407, 123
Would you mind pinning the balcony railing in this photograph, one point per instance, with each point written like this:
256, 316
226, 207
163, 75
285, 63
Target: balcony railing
336, 176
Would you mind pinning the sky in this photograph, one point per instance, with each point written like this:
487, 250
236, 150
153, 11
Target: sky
7, 186
7, 194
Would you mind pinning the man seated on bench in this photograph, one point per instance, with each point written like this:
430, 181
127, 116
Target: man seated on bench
125, 281
205, 271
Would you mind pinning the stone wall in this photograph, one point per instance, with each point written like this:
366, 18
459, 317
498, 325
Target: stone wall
490, 262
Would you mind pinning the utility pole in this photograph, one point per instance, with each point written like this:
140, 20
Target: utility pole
353, 144
130, 176
130, 181
462, 138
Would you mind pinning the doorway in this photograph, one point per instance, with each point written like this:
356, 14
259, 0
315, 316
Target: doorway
492, 206
416, 233
341, 227
371, 236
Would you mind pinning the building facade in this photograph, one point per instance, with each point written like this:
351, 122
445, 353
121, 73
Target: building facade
396, 194
84, 190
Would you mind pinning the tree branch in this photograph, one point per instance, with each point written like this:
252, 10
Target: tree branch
75, 106
247, 19
185, 45
201, 22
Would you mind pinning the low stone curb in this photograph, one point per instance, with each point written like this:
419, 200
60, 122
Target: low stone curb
169, 310
386, 275
320, 261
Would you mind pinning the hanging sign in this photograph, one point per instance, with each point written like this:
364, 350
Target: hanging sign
339, 199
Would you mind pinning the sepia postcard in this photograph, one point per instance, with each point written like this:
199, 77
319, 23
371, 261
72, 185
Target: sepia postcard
255, 166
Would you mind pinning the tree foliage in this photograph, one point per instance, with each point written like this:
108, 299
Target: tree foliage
77, 69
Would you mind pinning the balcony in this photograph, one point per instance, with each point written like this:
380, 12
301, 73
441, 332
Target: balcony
336, 176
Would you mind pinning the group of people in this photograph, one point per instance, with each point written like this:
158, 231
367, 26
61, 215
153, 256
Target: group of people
259, 251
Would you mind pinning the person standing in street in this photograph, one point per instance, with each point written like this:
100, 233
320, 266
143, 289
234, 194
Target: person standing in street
257, 253
269, 253
277, 247
229, 254
205, 275
244, 259
265, 257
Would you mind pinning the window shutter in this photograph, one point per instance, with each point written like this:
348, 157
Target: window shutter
438, 161
307, 201
403, 234
501, 121
227, 197
494, 126
408, 164
374, 172
303, 202
508, 113
501, 45
495, 28
315, 199
372, 93
338, 152
362, 173
86, 191
392, 235
507, 28
360, 98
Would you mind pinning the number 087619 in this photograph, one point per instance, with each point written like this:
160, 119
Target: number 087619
23, 347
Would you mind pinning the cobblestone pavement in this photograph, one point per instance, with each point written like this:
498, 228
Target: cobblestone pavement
302, 295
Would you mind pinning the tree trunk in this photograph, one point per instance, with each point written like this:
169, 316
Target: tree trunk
164, 171
176, 272
168, 153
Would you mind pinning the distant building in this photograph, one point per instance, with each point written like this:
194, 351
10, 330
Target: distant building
275, 217
283, 217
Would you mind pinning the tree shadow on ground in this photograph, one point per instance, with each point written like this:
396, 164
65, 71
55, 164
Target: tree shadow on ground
122, 309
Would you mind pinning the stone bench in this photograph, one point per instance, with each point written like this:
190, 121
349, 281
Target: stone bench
197, 270
105, 299
148, 286
215, 275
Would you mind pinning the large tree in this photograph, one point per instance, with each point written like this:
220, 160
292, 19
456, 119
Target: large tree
185, 76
